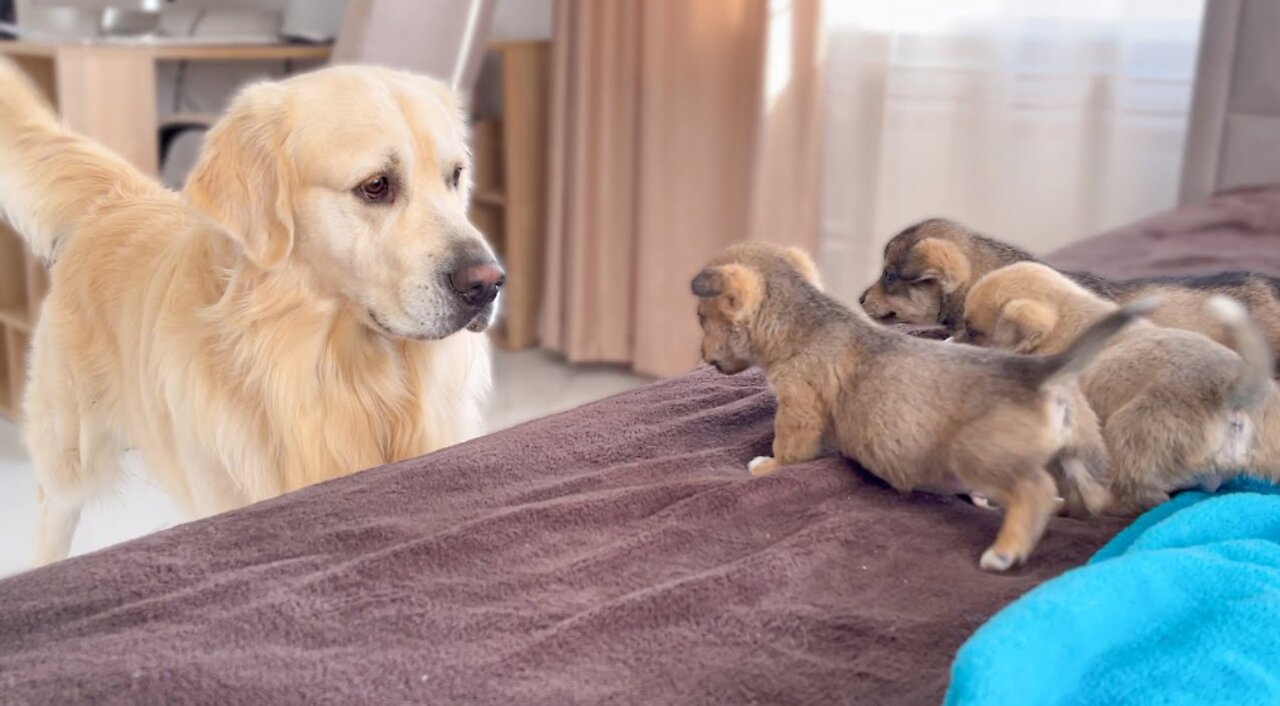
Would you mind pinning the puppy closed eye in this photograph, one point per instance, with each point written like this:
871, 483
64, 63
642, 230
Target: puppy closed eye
455, 178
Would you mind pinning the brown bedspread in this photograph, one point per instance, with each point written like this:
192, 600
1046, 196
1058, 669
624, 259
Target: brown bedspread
618, 553
1235, 230
614, 554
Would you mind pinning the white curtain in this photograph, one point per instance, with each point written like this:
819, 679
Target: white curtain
1035, 121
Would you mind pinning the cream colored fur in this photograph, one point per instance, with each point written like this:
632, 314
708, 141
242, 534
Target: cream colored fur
267, 329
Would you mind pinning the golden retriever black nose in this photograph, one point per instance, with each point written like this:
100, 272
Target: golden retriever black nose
478, 284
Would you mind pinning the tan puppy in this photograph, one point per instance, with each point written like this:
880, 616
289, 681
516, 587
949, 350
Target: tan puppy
929, 267
1177, 409
293, 318
890, 401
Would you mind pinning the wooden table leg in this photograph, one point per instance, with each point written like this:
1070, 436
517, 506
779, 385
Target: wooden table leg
110, 96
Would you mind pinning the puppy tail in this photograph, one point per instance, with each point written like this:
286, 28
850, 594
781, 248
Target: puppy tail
1064, 367
1247, 340
52, 180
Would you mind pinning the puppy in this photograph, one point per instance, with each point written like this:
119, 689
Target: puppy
890, 401
929, 267
300, 312
1177, 410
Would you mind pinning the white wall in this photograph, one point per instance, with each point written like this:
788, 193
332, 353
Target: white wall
523, 19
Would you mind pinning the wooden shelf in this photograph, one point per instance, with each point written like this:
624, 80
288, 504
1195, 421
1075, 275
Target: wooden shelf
174, 49
17, 344
509, 201
9, 394
22, 286
189, 118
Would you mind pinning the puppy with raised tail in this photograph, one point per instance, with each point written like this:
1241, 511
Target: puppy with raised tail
929, 268
1177, 409
891, 401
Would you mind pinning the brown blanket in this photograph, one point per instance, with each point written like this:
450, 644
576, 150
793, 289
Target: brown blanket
618, 553
1236, 230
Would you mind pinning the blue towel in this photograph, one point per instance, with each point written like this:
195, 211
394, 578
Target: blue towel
1182, 607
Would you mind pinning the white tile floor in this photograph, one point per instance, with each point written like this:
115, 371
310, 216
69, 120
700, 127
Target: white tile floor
527, 385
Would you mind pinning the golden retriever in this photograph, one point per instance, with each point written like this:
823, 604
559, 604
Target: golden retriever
297, 314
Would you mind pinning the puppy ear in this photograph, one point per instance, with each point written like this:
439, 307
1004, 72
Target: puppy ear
804, 264
941, 261
243, 180
738, 289
1023, 326
708, 283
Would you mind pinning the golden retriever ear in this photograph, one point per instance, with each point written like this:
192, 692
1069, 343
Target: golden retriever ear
738, 289
243, 180
804, 264
941, 261
1023, 326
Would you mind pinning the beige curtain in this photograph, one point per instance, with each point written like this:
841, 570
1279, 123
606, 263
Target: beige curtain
1040, 122
677, 128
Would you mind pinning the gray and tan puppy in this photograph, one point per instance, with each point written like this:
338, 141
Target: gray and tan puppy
929, 267
890, 401
1177, 409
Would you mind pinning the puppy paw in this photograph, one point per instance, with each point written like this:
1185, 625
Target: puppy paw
762, 466
993, 560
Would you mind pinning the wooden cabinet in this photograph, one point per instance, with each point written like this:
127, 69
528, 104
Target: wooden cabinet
23, 280
509, 202
23, 283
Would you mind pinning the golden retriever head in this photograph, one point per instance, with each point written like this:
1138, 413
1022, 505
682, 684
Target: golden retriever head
355, 179
731, 291
926, 272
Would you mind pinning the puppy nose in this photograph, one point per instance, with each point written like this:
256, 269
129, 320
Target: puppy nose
477, 284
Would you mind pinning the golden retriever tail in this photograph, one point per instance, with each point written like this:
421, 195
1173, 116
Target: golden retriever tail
52, 181
1247, 340
1062, 368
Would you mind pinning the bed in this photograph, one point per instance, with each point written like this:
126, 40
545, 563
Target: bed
617, 553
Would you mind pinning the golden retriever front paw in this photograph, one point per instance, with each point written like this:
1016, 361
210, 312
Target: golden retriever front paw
762, 466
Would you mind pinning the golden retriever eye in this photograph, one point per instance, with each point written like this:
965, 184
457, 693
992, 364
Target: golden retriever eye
456, 177
890, 277
377, 189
